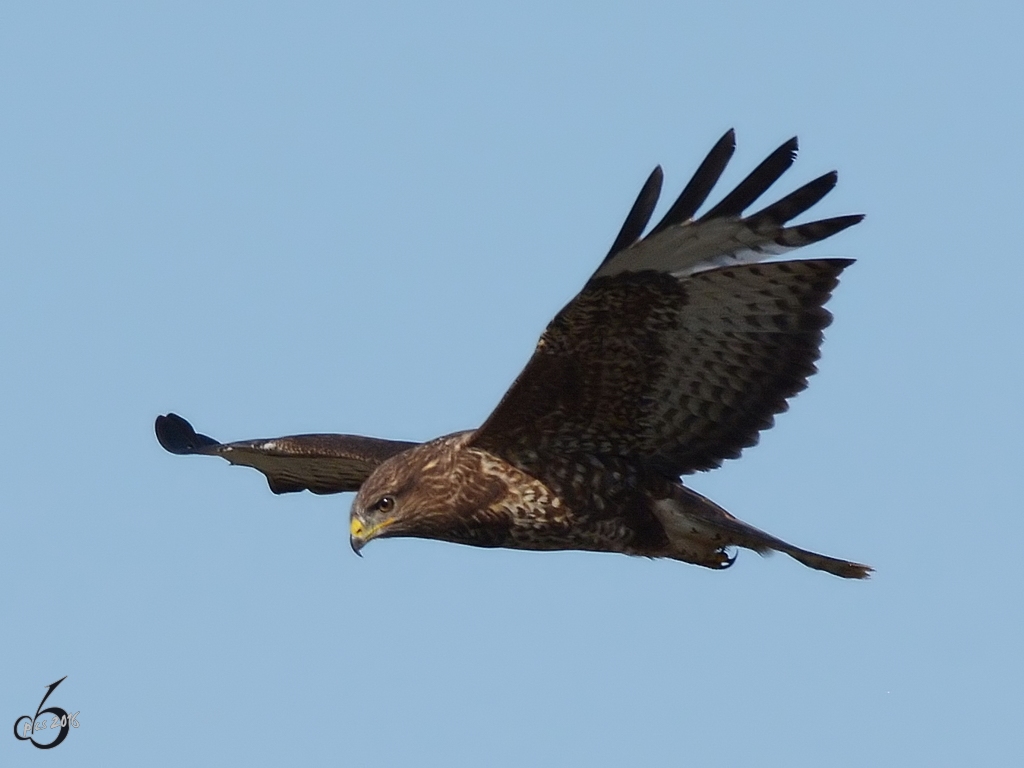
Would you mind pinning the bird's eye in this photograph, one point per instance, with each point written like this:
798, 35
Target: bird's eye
384, 504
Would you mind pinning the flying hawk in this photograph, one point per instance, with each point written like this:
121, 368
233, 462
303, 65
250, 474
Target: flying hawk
678, 351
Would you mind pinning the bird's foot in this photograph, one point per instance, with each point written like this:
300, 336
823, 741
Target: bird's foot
722, 559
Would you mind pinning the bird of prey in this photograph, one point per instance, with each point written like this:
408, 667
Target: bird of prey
679, 350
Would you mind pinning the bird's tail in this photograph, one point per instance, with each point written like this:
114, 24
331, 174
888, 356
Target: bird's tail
700, 531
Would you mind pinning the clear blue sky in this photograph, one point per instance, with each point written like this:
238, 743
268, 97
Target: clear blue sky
281, 218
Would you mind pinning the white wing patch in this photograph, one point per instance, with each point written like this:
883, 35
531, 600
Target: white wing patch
694, 247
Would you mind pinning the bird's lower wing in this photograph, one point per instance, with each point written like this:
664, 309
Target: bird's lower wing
317, 463
679, 372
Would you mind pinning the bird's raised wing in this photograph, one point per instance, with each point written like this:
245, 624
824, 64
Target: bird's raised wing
666, 355
317, 463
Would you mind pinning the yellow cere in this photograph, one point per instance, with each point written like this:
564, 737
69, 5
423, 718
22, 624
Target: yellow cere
360, 531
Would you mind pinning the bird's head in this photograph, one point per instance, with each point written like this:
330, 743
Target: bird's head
402, 496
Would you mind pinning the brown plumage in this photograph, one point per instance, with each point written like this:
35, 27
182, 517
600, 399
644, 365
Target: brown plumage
675, 355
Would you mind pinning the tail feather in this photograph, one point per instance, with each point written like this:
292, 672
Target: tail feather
844, 568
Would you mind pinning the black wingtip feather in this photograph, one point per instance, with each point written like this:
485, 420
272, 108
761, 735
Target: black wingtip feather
755, 184
176, 435
814, 231
639, 214
798, 201
699, 187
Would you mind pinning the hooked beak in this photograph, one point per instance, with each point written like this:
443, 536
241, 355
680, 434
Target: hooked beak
359, 533
356, 544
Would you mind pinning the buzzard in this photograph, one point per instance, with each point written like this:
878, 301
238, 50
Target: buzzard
679, 350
